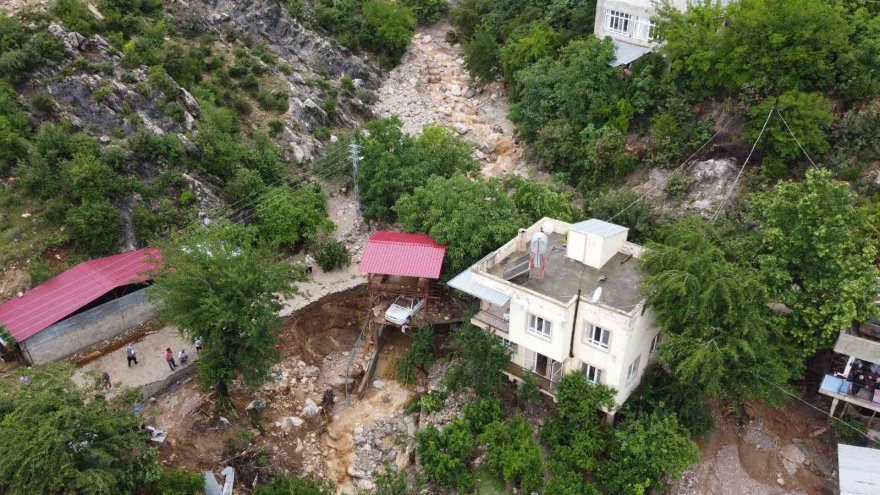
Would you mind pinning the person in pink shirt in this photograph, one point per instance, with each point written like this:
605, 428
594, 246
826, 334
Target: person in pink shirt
169, 358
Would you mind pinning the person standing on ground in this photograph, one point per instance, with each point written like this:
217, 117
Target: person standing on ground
131, 355
169, 358
107, 383
183, 357
309, 263
198, 344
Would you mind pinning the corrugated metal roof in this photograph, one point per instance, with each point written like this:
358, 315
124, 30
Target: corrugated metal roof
859, 470
405, 255
597, 227
626, 53
464, 282
861, 348
61, 296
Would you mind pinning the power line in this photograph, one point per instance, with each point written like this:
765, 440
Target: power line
741, 169
254, 199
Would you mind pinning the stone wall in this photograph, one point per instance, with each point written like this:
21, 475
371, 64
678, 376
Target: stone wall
88, 328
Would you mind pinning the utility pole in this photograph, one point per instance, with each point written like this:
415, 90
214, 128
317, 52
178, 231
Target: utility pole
355, 161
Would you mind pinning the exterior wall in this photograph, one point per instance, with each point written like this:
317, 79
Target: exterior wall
643, 332
85, 329
556, 347
599, 250
643, 9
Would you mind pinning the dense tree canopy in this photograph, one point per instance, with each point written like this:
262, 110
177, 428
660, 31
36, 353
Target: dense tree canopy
60, 438
720, 334
288, 215
470, 217
817, 256
481, 358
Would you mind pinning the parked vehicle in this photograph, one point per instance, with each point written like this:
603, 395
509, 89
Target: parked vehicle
403, 309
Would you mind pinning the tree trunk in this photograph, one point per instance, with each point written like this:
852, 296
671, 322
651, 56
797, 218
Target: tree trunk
222, 399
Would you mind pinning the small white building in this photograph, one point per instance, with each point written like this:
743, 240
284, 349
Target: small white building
567, 298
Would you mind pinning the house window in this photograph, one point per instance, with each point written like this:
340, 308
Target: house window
597, 336
644, 29
510, 345
593, 374
617, 21
539, 326
633, 370
655, 344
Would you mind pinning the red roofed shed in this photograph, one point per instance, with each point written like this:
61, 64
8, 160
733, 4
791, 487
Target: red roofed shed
404, 255
72, 291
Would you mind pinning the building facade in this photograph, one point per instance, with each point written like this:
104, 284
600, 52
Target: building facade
566, 298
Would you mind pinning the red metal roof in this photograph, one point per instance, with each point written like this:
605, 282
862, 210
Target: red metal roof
59, 297
405, 255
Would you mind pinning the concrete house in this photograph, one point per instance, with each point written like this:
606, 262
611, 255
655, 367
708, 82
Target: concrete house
566, 298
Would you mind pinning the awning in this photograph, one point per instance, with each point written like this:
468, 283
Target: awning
858, 347
465, 282
626, 52
859, 469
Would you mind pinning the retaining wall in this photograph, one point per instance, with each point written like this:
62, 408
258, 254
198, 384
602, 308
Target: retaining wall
88, 328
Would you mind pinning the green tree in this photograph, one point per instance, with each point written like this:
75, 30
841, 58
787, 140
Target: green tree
480, 360
94, 227
817, 256
480, 413
445, 454
245, 184
392, 481
482, 56
427, 11
387, 29
661, 390
389, 169
222, 149
526, 46
220, 286
536, 200
513, 453
419, 356
288, 215
808, 114
469, 233
14, 128
443, 153
59, 438
575, 437
527, 390
857, 78
332, 255
645, 451
720, 335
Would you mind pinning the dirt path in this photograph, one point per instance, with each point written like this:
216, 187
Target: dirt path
431, 85
151, 365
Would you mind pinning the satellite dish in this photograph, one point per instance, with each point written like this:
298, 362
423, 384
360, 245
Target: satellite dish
548, 227
596, 295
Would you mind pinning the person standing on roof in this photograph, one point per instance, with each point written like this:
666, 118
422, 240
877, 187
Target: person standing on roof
169, 358
131, 355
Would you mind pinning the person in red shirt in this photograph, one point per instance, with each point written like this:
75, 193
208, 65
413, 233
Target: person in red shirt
169, 358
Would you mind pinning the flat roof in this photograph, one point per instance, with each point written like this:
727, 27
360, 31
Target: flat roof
859, 469
562, 277
597, 227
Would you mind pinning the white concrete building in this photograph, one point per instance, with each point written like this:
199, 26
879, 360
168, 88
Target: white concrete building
567, 298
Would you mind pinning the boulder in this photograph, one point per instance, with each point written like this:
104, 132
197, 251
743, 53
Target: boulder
290, 422
310, 409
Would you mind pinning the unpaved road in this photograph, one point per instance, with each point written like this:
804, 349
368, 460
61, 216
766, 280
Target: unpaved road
432, 86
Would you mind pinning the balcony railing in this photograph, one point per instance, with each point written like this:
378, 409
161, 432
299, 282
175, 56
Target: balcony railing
493, 320
542, 382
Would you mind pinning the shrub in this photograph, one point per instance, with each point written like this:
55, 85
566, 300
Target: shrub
275, 101
481, 57
419, 356
526, 46
290, 485
246, 183
445, 455
392, 481
39, 270
89, 179
427, 11
275, 127
222, 150
163, 82
512, 453
527, 390
332, 255
858, 134
148, 146
347, 84
481, 358
536, 200
74, 15
94, 228
480, 413
677, 186
42, 103
387, 29
178, 482
662, 390
287, 216
645, 452
152, 227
